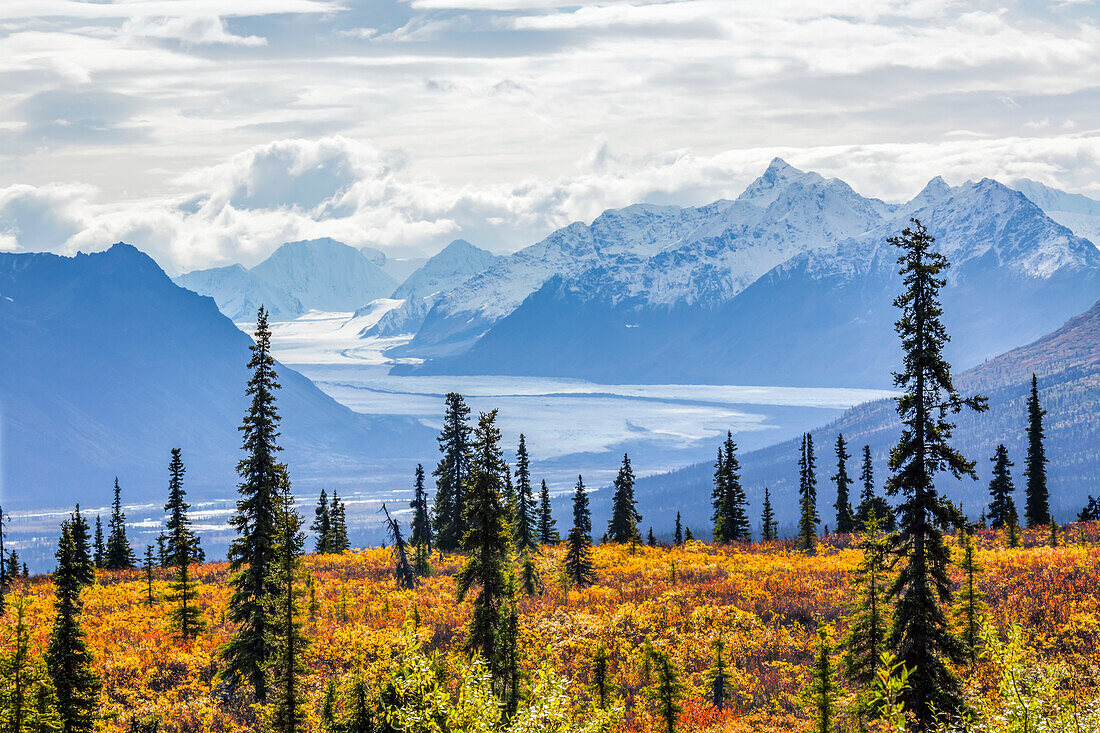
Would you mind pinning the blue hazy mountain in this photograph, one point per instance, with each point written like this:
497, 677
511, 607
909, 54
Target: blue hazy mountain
106, 365
791, 284
318, 274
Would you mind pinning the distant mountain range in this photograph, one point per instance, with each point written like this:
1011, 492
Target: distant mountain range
1067, 363
790, 284
318, 274
107, 364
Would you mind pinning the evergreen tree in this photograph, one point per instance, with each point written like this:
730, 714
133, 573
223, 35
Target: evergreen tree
599, 675
731, 521
1002, 508
359, 715
650, 539
487, 544
1037, 509
807, 491
149, 599
85, 563
527, 539
868, 618
668, 690
451, 475
822, 690
99, 551
919, 636
1053, 537
67, 657
719, 501
718, 679
869, 503
769, 528
845, 518
322, 525
5, 578
510, 655
339, 520
688, 536
403, 570
181, 546
421, 536
969, 611
623, 527
678, 533
529, 575
28, 701
1091, 511
253, 555
548, 530
119, 555
286, 663
578, 555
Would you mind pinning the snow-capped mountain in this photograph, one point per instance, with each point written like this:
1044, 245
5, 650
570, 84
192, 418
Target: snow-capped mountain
319, 274
1074, 211
107, 365
792, 283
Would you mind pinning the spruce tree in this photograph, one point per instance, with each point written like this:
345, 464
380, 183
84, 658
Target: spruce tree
822, 690
969, 610
868, 617
28, 700
99, 551
487, 544
149, 599
807, 492
623, 526
736, 509
253, 554
919, 636
578, 555
718, 680
181, 545
650, 539
678, 532
286, 662
322, 525
1037, 508
119, 555
451, 475
599, 675
421, 535
719, 501
339, 543
548, 526
1002, 507
403, 571
527, 539
869, 502
768, 526
667, 691
845, 519
85, 563
67, 657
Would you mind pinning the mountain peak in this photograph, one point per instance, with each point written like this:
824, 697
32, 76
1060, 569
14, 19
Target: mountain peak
772, 182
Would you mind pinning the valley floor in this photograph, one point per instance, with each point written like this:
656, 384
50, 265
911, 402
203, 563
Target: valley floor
765, 603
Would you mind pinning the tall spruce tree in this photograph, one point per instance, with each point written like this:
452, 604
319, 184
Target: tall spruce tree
718, 679
768, 526
920, 637
339, 542
403, 571
719, 502
487, 544
67, 657
527, 539
667, 690
28, 700
286, 662
868, 616
119, 554
1037, 507
85, 562
623, 526
421, 535
253, 554
578, 554
807, 492
99, 547
451, 475
1002, 507
822, 689
322, 525
845, 518
678, 532
728, 500
179, 537
969, 611
548, 526
869, 502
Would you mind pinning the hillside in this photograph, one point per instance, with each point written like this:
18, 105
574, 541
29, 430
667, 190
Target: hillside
107, 365
1067, 362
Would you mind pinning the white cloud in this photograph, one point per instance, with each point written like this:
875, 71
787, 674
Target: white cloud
202, 30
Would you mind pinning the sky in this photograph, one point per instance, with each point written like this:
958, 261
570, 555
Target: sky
207, 132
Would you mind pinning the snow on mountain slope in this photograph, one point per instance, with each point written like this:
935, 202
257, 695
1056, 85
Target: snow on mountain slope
1074, 211
453, 265
319, 274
